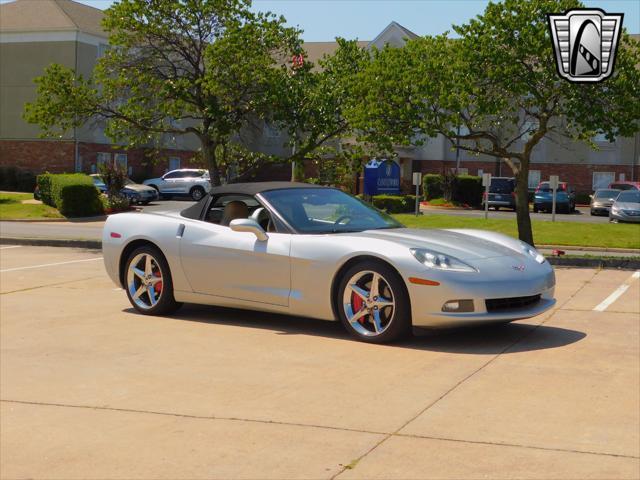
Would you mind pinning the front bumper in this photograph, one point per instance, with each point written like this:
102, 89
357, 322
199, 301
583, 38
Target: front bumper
427, 301
621, 216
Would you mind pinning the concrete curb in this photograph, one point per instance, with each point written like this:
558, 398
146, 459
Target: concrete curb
617, 263
589, 249
53, 242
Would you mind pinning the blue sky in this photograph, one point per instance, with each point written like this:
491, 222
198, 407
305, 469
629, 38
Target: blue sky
323, 20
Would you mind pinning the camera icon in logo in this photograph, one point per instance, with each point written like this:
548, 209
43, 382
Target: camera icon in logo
585, 42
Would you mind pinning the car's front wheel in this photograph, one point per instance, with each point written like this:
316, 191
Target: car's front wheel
148, 282
373, 303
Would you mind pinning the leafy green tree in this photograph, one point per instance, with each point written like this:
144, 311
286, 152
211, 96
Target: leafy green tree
498, 81
175, 67
313, 98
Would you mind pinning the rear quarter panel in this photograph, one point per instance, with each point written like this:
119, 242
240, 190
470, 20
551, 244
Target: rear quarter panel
160, 230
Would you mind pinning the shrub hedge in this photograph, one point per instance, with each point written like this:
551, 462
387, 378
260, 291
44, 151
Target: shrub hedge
432, 185
74, 195
394, 203
467, 189
14, 179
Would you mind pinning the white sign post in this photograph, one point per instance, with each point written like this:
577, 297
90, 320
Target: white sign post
486, 183
553, 183
417, 180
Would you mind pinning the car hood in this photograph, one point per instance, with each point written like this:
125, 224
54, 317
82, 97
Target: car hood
136, 187
464, 245
627, 205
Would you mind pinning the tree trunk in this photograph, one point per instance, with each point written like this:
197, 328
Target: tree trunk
209, 155
525, 232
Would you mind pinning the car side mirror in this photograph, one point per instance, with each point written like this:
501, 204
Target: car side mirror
249, 225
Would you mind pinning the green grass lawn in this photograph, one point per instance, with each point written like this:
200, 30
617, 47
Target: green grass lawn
11, 208
614, 235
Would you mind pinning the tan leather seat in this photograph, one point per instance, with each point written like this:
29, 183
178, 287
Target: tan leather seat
233, 210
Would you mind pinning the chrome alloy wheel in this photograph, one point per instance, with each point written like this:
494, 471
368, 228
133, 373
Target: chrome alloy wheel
369, 303
144, 281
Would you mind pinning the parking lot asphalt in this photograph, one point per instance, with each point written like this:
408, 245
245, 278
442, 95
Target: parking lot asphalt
90, 389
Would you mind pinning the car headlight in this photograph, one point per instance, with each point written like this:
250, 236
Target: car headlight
433, 259
529, 250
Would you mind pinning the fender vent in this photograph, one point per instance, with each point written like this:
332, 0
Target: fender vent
514, 303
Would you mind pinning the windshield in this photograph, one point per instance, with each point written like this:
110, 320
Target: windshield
98, 181
545, 187
326, 210
629, 196
607, 193
501, 185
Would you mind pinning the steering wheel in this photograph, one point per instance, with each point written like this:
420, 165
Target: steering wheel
343, 217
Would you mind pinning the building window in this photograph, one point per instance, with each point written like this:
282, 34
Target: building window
120, 159
603, 179
174, 163
534, 178
622, 177
601, 138
480, 172
102, 49
103, 158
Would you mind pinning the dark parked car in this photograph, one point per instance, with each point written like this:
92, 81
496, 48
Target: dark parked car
565, 198
502, 193
135, 192
625, 185
602, 200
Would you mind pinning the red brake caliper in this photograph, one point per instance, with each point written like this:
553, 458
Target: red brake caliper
357, 303
158, 286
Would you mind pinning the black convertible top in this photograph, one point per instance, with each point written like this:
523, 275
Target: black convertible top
195, 211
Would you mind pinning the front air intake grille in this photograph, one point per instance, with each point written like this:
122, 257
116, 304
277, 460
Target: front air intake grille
514, 303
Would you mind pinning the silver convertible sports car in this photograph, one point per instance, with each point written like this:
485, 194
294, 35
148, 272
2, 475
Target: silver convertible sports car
319, 252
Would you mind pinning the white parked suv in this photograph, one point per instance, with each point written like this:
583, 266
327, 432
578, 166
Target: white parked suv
184, 182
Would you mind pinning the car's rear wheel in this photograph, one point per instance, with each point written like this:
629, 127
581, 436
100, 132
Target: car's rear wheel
197, 193
373, 303
148, 282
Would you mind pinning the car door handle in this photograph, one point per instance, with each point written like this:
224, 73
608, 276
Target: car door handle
180, 231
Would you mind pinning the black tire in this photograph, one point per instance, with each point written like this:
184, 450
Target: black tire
197, 193
535, 209
399, 325
496, 208
166, 304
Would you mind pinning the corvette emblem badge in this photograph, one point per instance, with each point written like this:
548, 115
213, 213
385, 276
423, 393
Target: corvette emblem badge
520, 268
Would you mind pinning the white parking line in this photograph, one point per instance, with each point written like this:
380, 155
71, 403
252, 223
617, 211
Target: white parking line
617, 293
10, 246
49, 265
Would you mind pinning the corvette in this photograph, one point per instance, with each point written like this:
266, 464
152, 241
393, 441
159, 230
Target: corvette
318, 252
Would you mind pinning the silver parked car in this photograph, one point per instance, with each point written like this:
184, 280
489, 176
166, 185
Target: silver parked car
601, 201
626, 208
189, 182
135, 192
318, 252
